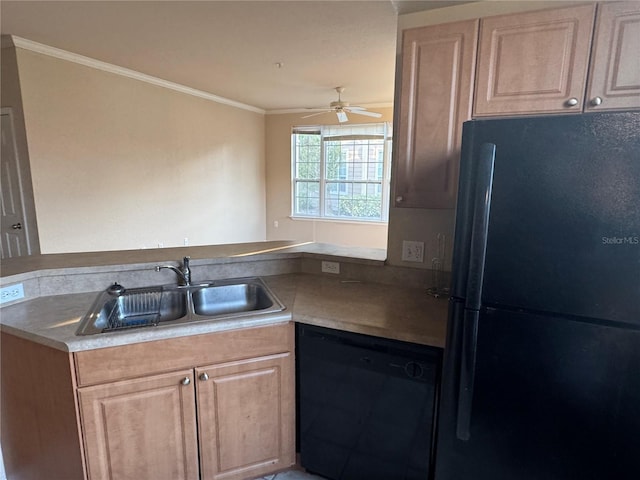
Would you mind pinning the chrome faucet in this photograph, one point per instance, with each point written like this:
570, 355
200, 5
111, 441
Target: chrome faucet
184, 273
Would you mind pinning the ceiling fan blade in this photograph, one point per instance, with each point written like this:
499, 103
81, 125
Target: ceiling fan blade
317, 113
366, 113
342, 117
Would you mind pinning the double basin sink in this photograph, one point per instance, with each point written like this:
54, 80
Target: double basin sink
117, 308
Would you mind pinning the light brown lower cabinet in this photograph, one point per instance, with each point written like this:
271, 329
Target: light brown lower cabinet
217, 406
141, 428
245, 410
40, 431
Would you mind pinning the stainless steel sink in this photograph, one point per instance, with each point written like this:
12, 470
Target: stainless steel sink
137, 307
233, 298
119, 309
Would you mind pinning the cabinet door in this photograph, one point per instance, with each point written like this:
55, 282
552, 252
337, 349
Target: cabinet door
435, 98
615, 62
534, 62
141, 428
246, 417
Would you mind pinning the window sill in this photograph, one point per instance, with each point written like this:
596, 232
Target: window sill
340, 220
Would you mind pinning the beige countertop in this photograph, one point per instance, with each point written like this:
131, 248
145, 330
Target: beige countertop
401, 313
389, 311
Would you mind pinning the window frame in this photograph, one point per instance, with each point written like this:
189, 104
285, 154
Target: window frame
328, 132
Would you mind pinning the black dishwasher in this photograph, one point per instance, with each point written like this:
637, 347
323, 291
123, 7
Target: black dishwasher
366, 405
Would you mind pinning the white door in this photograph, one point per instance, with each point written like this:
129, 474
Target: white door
15, 225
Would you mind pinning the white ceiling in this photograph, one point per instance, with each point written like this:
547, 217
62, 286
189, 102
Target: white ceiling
231, 48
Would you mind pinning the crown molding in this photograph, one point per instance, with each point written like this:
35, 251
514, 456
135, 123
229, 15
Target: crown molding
43, 49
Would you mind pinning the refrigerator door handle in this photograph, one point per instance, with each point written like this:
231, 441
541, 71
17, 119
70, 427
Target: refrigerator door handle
467, 373
480, 228
478, 249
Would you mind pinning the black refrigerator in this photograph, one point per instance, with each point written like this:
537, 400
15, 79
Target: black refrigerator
541, 375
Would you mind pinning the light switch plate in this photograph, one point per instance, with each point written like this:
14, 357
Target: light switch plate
412, 251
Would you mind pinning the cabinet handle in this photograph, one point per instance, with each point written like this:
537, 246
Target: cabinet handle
572, 102
17, 226
399, 198
595, 101
204, 377
185, 381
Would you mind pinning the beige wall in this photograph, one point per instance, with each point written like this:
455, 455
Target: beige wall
118, 163
278, 128
121, 164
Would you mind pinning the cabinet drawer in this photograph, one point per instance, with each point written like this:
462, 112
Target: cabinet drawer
139, 359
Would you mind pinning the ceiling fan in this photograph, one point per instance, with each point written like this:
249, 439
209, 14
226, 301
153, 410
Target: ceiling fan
341, 108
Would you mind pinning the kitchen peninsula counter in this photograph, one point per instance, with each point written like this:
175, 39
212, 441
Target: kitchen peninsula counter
401, 313
367, 296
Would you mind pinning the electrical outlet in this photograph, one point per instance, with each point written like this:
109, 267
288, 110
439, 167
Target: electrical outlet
11, 293
412, 251
331, 267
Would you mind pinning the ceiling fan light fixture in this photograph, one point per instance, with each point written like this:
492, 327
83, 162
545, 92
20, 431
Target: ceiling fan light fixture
341, 108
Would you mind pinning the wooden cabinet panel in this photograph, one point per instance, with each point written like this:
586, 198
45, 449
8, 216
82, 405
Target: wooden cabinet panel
435, 98
40, 430
534, 62
142, 428
130, 361
145, 427
246, 417
615, 62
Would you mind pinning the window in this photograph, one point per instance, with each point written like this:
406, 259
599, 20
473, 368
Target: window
341, 172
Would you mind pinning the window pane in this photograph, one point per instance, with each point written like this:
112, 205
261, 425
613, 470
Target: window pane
375, 167
341, 171
354, 159
308, 170
307, 198
333, 162
308, 139
307, 155
308, 206
353, 200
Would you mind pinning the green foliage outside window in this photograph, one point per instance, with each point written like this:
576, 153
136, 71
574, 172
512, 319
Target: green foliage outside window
341, 172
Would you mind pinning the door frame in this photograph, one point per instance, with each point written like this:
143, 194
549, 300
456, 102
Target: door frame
24, 177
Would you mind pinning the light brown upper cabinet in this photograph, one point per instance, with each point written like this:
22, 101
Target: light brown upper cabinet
435, 98
542, 62
534, 62
614, 78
